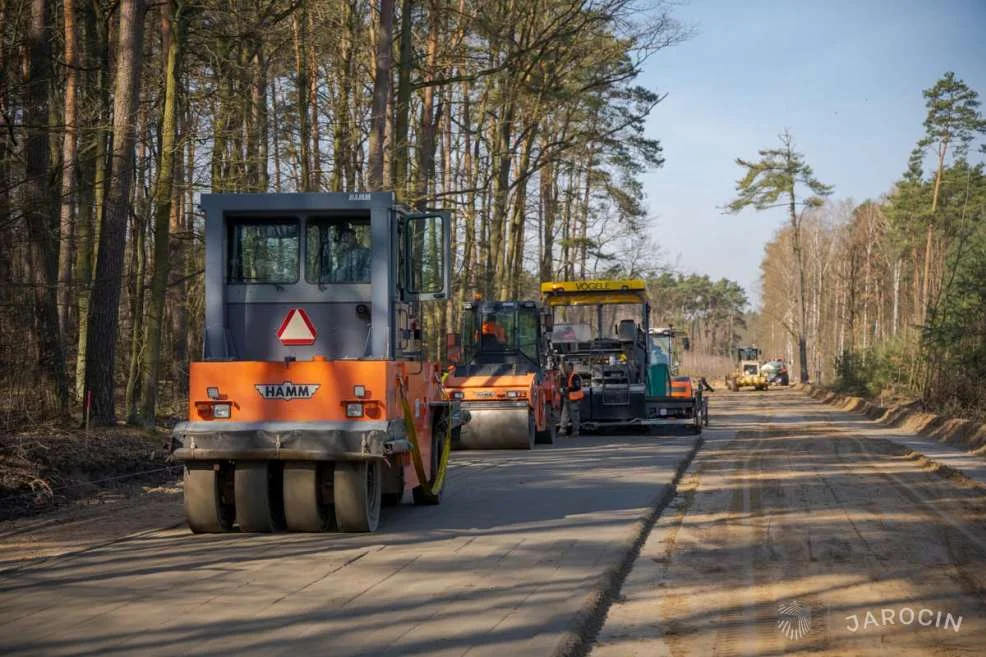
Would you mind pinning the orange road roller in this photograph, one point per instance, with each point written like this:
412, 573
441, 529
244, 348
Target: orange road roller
313, 404
503, 378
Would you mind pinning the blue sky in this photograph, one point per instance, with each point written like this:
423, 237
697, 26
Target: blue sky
845, 77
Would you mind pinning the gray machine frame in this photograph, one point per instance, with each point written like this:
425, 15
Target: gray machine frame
383, 293
391, 309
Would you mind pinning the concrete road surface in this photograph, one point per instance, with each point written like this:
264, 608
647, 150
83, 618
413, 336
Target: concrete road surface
804, 534
504, 566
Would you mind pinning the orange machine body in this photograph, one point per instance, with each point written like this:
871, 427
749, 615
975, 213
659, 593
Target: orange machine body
319, 391
313, 405
542, 397
681, 387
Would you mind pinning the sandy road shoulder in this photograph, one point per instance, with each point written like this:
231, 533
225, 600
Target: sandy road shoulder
106, 518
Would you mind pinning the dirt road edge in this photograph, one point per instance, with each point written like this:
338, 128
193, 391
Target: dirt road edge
578, 640
957, 432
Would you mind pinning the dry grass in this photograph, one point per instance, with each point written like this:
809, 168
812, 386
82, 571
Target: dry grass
707, 365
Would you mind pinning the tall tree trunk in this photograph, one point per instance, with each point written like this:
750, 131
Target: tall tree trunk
260, 119
255, 121
275, 114
172, 36
92, 180
802, 292
38, 210
448, 183
583, 245
895, 316
302, 90
515, 251
102, 330
182, 333
312, 79
926, 281
501, 189
426, 131
402, 107
137, 296
549, 210
355, 102
69, 168
567, 264
381, 92
471, 175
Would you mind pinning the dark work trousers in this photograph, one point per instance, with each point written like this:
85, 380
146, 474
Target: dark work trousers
570, 413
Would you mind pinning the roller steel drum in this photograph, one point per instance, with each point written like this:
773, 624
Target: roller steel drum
498, 428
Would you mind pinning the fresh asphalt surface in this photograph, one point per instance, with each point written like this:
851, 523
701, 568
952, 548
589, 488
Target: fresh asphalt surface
788, 502
506, 565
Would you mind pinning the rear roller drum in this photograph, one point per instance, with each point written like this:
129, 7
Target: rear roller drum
305, 495
208, 507
358, 489
498, 428
258, 496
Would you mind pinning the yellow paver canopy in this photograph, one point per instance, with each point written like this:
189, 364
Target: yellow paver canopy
585, 293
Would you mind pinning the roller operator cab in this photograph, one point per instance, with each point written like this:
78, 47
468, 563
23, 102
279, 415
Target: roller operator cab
628, 370
503, 377
313, 404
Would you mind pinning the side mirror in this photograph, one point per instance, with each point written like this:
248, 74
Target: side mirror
686, 343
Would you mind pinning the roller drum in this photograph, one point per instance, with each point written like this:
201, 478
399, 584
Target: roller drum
498, 428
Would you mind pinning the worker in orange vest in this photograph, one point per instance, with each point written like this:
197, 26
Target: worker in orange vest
572, 394
490, 327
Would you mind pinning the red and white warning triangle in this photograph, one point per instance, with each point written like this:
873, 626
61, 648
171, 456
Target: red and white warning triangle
297, 329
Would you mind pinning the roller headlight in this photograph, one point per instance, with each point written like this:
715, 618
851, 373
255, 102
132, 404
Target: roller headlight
354, 409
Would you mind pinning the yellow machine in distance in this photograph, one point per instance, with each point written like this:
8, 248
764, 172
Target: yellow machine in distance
748, 372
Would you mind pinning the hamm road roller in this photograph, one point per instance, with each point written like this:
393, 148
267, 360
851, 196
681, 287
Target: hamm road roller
503, 379
313, 404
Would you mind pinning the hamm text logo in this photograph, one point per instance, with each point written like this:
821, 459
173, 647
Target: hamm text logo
287, 390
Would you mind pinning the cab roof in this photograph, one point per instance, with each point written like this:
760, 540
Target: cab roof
584, 293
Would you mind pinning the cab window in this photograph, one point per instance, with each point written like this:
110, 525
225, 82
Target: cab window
427, 254
527, 333
262, 250
338, 250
